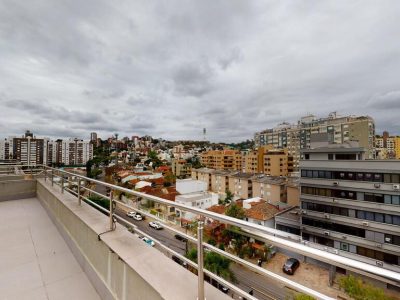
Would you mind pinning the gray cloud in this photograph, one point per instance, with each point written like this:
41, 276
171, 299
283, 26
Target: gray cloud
169, 69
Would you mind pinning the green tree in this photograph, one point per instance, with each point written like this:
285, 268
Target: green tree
103, 202
213, 262
235, 211
89, 165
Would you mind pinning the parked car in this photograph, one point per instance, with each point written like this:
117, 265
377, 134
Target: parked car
179, 261
180, 238
138, 217
131, 214
156, 225
290, 266
223, 288
148, 241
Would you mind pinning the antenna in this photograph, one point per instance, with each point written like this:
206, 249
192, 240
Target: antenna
204, 133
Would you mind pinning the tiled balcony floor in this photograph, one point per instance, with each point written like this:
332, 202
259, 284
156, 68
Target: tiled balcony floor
35, 262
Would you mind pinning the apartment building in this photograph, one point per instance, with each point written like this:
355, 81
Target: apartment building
241, 185
32, 151
268, 160
352, 204
270, 189
203, 174
222, 159
28, 149
387, 147
220, 182
333, 129
181, 168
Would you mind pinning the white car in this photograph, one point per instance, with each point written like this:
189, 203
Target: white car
138, 217
147, 241
156, 225
131, 214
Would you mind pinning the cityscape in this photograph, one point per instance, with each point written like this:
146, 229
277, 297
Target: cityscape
199, 151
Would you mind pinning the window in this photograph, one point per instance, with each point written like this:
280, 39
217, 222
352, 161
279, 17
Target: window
306, 156
330, 156
360, 176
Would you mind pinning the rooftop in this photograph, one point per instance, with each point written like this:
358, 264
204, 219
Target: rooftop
36, 262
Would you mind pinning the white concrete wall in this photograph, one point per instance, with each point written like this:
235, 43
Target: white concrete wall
186, 186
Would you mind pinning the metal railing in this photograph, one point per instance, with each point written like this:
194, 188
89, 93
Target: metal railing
75, 184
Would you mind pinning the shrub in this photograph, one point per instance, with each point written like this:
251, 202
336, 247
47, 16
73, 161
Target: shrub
355, 288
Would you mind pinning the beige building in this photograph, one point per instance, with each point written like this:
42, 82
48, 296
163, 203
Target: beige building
387, 147
293, 192
240, 185
203, 174
222, 159
267, 160
271, 189
181, 168
220, 182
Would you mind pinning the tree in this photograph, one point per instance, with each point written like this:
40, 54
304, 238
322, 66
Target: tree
235, 211
355, 288
89, 165
228, 197
214, 262
303, 297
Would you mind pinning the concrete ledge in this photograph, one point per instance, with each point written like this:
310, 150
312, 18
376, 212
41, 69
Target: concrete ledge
17, 189
120, 266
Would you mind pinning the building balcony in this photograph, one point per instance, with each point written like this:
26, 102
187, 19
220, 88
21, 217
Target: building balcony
355, 222
58, 244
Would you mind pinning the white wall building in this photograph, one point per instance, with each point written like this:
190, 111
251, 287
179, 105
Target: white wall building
193, 193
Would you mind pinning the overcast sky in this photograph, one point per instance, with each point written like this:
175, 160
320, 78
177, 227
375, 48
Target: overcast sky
170, 68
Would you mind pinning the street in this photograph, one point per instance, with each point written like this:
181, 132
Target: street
263, 287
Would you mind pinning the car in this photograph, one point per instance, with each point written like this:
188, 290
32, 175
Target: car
290, 266
179, 261
138, 217
223, 289
148, 241
180, 238
156, 225
131, 214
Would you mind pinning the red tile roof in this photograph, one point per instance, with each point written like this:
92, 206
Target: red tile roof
261, 211
219, 209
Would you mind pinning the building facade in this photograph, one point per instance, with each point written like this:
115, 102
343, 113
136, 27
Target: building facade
309, 129
33, 151
387, 147
222, 159
181, 168
352, 204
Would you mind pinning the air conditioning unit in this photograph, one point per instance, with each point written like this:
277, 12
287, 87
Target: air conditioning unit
336, 183
378, 245
327, 216
344, 237
335, 251
388, 239
396, 186
304, 212
379, 263
377, 185
365, 223
326, 233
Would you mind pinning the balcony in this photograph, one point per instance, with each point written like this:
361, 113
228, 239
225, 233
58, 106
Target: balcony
74, 248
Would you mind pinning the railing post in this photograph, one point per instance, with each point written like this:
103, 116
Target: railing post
79, 191
62, 183
45, 174
52, 177
111, 211
200, 261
